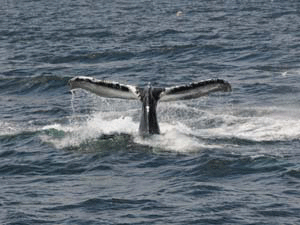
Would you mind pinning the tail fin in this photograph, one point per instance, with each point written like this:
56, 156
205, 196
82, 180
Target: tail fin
111, 89
194, 90
106, 89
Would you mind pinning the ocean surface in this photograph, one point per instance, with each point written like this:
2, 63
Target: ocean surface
76, 158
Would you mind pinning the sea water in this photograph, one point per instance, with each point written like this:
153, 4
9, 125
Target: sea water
76, 158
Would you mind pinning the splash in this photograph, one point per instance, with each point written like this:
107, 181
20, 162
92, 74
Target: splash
177, 137
122, 117
173, 137
184, 126
81, 132
265, 125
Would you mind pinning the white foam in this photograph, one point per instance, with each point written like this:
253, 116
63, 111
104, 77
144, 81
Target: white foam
177, 132
257, 128
94, 127
7, 128
176, 138
184, 126
13, 128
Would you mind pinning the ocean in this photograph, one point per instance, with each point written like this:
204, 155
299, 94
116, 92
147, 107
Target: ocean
77, 158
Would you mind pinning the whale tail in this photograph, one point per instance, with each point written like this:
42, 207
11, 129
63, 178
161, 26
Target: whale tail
111, 89
149, 96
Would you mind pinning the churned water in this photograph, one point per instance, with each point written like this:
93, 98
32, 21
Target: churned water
76, 158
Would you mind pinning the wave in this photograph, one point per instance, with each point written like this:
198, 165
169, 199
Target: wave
20, 85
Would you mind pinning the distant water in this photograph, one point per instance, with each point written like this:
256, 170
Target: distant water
75, 158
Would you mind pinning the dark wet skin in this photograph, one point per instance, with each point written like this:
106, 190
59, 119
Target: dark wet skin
149, 98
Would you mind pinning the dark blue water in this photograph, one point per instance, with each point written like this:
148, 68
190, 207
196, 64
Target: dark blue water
77, 158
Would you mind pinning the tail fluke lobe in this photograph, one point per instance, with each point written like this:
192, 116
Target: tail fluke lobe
194, 90
108, 89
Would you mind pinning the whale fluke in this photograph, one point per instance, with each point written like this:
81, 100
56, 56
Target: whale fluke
194, 90
149, 96
108, 89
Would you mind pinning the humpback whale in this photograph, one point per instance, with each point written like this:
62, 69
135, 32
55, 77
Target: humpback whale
149, 96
